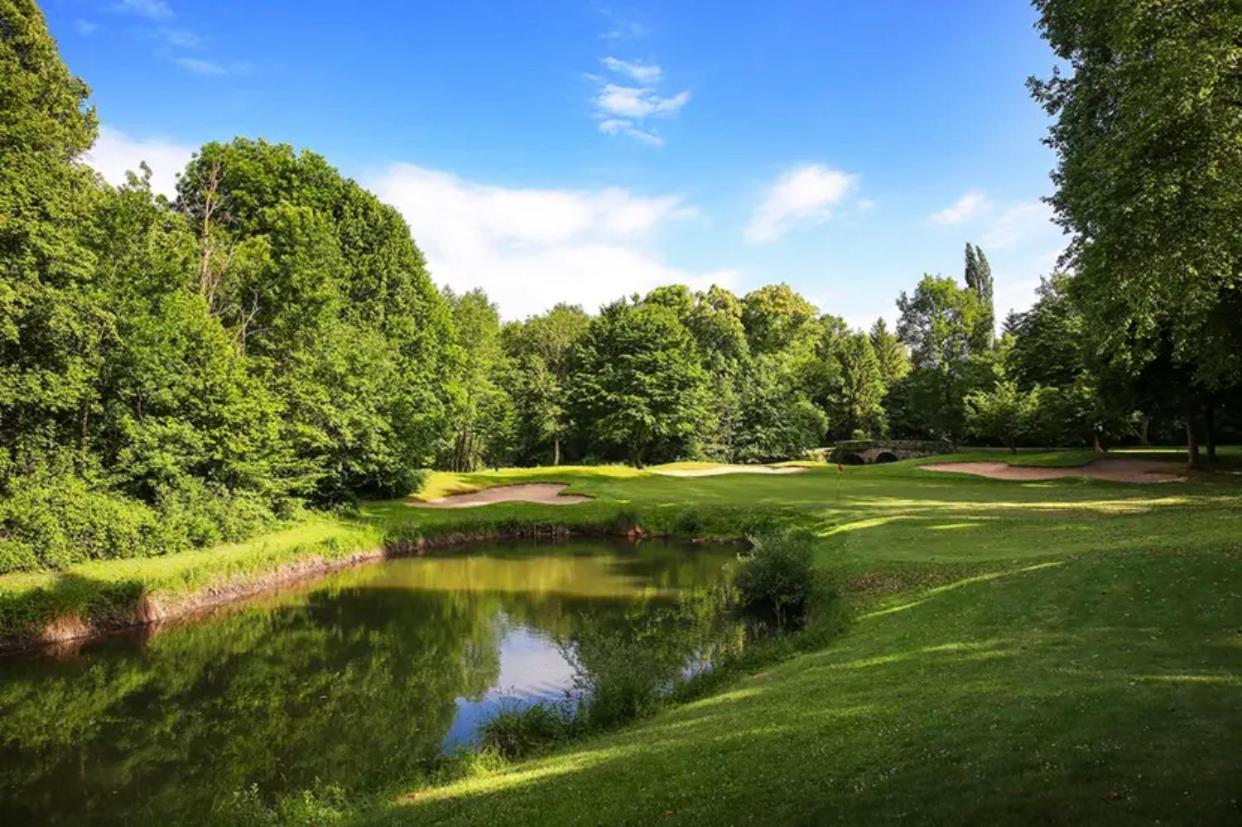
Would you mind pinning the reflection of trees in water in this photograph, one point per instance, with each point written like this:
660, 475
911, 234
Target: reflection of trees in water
626, 658
355, 688
351, 682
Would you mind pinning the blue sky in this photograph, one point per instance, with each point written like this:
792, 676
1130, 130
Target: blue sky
573, 150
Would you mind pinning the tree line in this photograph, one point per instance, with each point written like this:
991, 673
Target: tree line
179, 371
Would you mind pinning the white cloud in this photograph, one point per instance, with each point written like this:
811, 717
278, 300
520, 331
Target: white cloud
804, 196
970, 205
180, 38
154, 9
622, 109
115, 153
206, 68
647, 74
84, 27
637, 102
1017, 222
531, 248
617, 126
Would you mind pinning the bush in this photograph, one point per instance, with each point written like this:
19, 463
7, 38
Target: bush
776, 575
56, 520
516, 732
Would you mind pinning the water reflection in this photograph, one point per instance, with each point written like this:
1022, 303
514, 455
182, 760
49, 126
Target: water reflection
357, 680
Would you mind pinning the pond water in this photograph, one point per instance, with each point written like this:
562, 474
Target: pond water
358, 679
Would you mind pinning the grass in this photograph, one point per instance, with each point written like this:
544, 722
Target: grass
1064, 651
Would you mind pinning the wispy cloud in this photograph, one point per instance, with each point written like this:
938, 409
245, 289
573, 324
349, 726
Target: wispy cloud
116, 153
195, 66
180, 38
968, 206
153, 9
801, 197
623, 109
644, 73
1016, 223
530, 248
996, 225
616, 126
620, 27
84, 27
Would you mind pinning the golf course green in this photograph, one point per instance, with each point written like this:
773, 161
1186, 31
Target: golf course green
1061, 651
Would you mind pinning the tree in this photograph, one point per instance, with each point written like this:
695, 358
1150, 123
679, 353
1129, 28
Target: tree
327, 295
53, 324
978, 277
482, 415
1148, 137
862, 386
1048, 344
539, 348
1003, 413
778, 319
890, 353
637, 388
938, 323
774, 419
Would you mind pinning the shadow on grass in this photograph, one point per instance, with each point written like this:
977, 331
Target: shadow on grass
66, 607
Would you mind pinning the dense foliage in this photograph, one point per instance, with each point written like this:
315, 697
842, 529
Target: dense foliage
174, 373
1148, 136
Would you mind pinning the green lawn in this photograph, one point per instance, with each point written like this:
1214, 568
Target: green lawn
1067, 651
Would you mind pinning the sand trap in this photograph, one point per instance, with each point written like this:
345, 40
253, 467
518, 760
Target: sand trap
1113, 470
546, 493
732, 469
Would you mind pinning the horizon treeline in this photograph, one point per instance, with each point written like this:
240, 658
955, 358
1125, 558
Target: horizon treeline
178, 372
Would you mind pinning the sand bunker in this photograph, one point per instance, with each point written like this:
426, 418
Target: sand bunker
546, 493
732, 469
1113, 470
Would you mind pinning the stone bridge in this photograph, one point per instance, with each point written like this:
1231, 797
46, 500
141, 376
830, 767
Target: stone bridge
869, 451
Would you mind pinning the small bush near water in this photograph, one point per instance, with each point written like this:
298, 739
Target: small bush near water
517, 731
776, 575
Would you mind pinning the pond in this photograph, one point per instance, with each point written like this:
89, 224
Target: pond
359, 679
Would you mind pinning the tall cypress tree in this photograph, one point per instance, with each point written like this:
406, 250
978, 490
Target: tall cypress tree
979, 279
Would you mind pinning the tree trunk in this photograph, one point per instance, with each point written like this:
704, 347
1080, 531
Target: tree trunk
1192, 439
556, 450
1209, 422
1144, 427
1013, 445
1096, 447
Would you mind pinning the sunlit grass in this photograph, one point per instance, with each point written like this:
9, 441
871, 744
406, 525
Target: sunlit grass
1035, 647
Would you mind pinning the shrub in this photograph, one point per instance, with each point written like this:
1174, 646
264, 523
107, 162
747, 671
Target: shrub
516, 732
776, 575
64, 519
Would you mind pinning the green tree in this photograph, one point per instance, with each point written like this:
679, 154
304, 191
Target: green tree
1148, 136
938, 323
978, 277
1003, 413
483, 413
778, 319
539, 349
862, 385
774, 417
890, 353
53, 324
638, 390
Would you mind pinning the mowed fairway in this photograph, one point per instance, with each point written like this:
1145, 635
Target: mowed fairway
1065, 651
